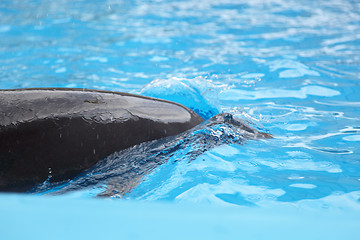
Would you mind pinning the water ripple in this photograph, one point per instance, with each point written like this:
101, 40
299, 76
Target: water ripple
291, 67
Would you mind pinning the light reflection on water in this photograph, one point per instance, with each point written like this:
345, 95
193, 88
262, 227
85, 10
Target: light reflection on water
291, 67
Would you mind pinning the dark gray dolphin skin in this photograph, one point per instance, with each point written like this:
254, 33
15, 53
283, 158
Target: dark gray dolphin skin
61, 132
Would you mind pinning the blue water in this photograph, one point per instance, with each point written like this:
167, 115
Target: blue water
291, 68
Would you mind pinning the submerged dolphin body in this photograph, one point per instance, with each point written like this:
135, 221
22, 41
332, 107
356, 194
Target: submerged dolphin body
57, 133
124, 170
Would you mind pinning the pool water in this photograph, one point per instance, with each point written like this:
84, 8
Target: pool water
290, 68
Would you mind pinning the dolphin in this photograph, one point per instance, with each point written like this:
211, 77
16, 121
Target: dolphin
53, 134
124, 170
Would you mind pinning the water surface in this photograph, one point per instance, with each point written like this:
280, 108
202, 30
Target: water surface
288, 67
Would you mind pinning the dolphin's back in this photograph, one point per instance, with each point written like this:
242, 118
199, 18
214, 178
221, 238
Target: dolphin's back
61, 132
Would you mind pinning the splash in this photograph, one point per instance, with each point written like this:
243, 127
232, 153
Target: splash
199, 93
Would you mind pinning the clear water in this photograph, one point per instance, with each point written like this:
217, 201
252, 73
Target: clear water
289, 67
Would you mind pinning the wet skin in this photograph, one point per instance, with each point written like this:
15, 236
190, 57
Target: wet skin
61, 132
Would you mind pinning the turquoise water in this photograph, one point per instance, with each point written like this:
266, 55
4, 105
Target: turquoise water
291, 68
